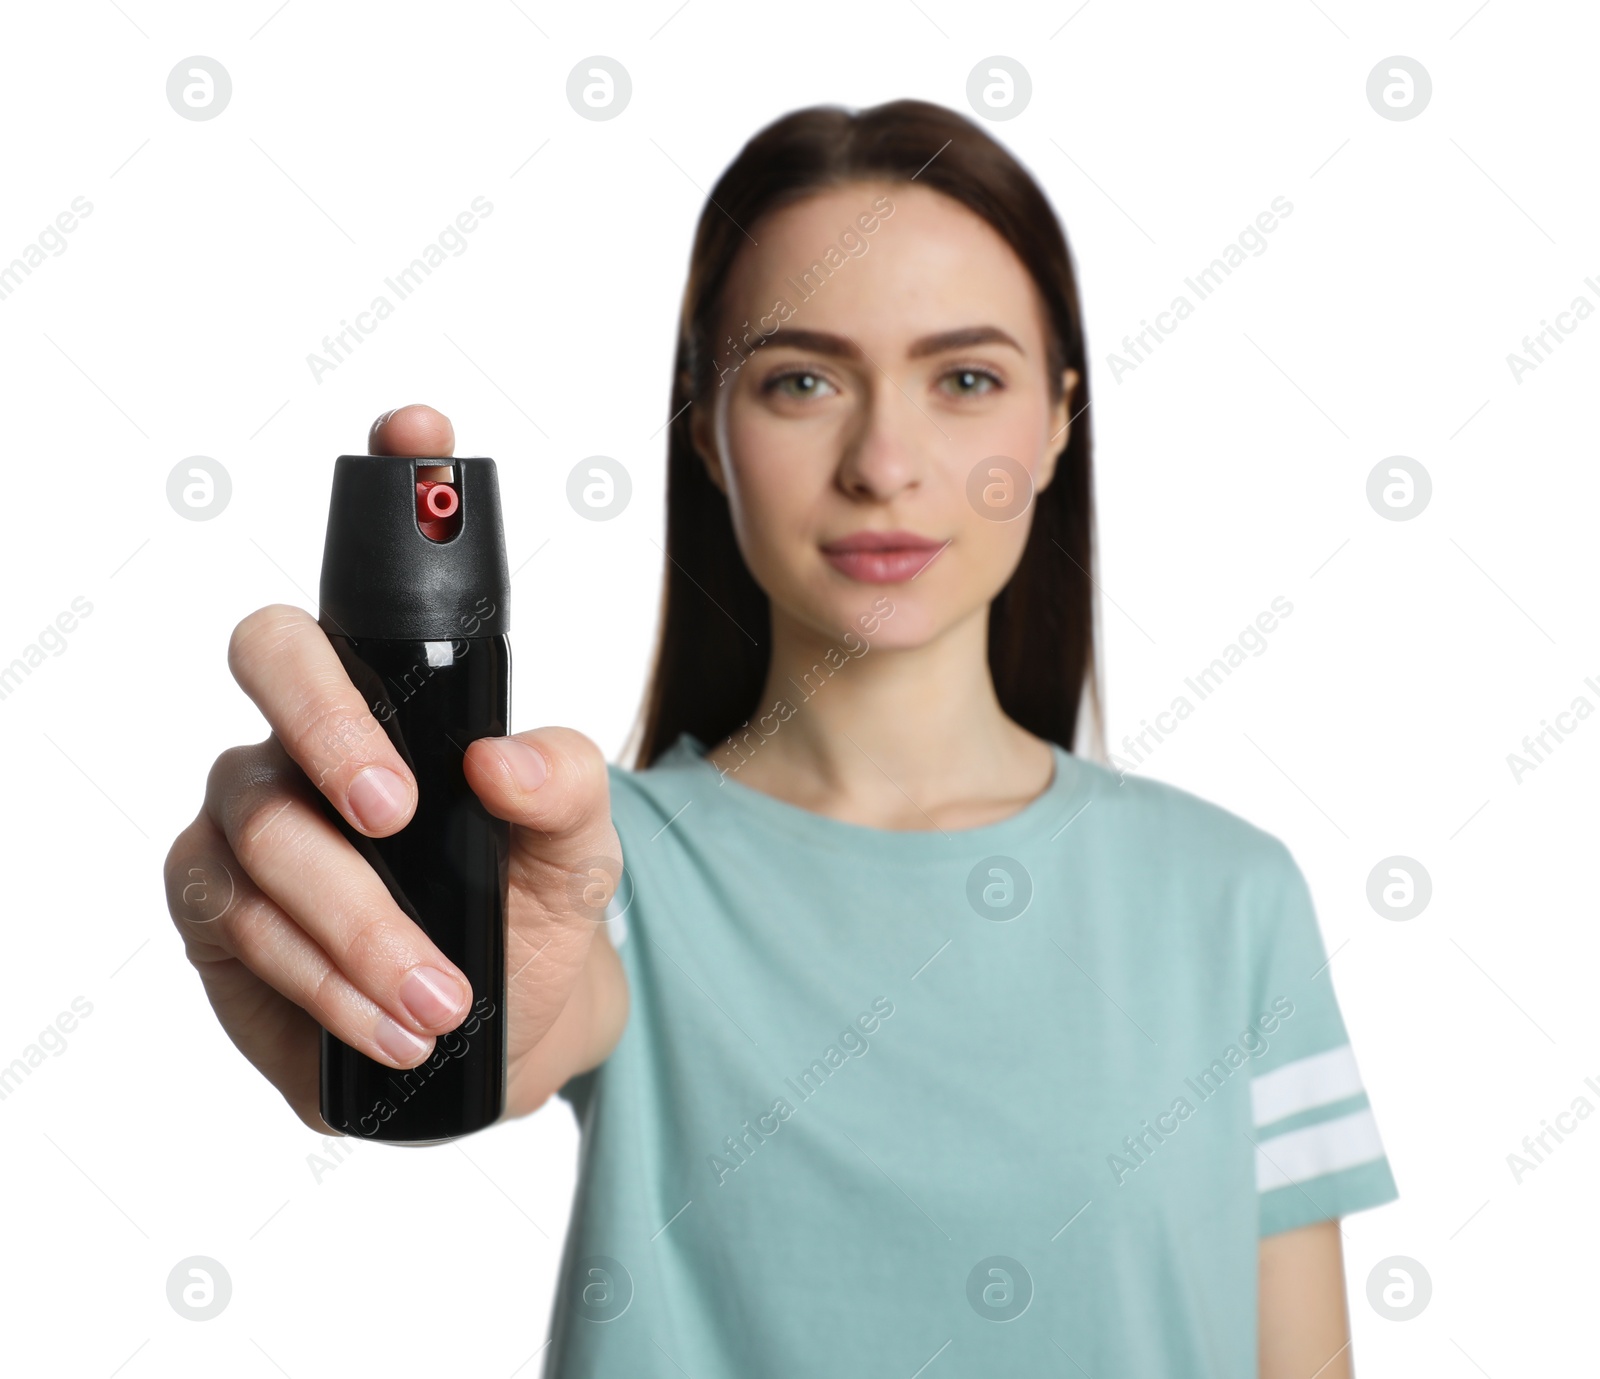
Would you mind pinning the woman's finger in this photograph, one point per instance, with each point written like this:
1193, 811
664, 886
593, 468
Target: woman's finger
416, 429
284, 662
292, 854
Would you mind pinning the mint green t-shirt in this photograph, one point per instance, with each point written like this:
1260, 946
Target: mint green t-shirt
1011, 1100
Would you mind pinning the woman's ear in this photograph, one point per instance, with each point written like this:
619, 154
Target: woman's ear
1060, 430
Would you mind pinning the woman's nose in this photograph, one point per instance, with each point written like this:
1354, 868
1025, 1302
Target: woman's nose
887, 446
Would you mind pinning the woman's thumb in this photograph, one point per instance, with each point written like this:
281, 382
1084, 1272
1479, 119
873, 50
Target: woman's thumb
553, 784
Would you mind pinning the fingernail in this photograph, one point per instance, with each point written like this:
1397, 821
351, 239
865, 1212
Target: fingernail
430, 995
527, 765
378, 798
397, 1041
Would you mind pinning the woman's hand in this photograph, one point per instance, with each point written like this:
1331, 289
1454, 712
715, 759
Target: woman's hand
291, 930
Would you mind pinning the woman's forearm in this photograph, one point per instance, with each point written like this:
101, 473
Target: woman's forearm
1303, 1323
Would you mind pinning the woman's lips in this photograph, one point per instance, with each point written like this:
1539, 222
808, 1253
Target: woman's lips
882, 557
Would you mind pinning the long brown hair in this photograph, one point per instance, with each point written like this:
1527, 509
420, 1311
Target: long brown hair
714, 641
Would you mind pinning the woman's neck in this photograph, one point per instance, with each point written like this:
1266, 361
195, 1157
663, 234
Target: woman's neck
884, 736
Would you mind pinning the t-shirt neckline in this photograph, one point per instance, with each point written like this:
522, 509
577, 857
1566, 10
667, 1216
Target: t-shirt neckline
1044, 817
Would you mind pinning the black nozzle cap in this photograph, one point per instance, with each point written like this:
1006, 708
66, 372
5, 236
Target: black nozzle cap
383, 578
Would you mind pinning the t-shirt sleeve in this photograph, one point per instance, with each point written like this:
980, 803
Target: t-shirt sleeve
1317, 1149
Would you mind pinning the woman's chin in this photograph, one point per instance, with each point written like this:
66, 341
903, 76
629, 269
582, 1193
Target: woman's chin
885, 617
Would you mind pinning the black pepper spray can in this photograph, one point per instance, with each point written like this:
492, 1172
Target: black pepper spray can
414, 598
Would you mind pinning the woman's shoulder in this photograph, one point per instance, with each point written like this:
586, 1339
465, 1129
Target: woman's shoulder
1178, 852
675, 775
1172, 821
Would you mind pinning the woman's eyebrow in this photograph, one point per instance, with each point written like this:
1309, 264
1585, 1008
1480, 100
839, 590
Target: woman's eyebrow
839, 346
817, 341
961, 339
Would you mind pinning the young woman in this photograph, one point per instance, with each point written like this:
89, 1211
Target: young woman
916, 1043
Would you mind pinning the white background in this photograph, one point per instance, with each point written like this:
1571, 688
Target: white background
1232, 468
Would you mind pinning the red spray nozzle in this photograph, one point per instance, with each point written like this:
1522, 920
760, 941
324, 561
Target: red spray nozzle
438, 506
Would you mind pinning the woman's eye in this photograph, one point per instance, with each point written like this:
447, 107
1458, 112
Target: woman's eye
801, 384
969, 382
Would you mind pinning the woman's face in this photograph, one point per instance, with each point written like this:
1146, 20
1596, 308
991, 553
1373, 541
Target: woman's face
907, 396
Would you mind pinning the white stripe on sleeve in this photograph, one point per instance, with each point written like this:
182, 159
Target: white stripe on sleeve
1299, 1155
1307, 1082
